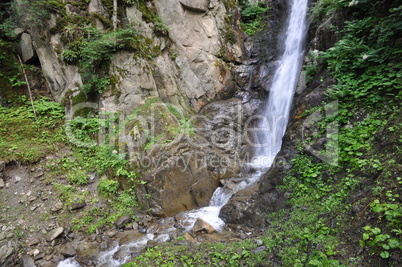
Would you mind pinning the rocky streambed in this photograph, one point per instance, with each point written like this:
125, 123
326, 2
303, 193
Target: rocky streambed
36, 228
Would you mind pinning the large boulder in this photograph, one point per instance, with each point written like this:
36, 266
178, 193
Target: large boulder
27, 50
182, 166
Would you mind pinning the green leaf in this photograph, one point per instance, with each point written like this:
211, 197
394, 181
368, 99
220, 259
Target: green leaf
384, 254
366, 236
393, 243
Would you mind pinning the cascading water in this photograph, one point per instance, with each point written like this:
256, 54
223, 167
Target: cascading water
276, 110
275, 116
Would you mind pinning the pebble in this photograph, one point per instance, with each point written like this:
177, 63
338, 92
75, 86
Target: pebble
52, 235
259, 242
1, 183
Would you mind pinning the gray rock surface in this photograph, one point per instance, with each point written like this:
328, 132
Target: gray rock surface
52, 235
27, 50
27, 261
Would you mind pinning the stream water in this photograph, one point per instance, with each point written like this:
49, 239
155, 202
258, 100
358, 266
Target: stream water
272, 127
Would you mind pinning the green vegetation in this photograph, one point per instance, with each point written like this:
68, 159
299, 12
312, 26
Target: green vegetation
94, 49
252, 15
86, 160
26, 138
216, 254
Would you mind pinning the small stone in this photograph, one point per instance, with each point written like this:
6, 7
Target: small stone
27, 261
7, 185
135, 226
32, 208
259, 242
17, 179
259, 249
2, 235
48, 257
58, 206
189, 237
29, 193
123, 220
32, 198
68, 251
33, 242
128, 227
111, 233
77, 206
39, 174
39, 256
52, 235
35, 252
1, 183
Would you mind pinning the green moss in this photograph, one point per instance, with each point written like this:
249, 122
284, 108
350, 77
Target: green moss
106, 22
108, 4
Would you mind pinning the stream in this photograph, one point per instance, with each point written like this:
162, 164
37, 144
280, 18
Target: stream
276, 114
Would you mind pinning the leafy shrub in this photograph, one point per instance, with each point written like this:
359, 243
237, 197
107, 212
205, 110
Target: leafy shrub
252, 17
108, 187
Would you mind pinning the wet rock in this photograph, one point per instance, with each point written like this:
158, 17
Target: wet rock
87, 253
52, 235
202, 226
27, 261
122, 221
162, 238
127, 236
151, 244
237, 212
135, 226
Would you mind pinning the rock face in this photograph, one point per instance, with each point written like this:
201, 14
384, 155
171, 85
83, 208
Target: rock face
198, 67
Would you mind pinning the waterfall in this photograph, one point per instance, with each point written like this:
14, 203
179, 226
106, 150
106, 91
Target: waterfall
275, 116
